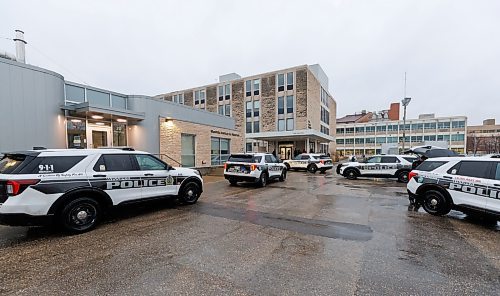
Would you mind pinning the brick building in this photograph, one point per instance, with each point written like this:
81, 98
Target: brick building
483, 139
286, 111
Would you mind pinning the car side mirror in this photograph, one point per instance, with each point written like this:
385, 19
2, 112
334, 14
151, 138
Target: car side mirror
168, 167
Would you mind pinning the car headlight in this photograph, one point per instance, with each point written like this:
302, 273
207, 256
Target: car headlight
197, 172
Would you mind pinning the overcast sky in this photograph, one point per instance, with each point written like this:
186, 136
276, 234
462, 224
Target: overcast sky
449, 49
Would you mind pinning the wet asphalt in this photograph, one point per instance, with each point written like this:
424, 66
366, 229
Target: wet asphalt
311, 235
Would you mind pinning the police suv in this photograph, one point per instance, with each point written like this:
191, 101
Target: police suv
255, 167
467, 184
310, 162
381, 166
74, 187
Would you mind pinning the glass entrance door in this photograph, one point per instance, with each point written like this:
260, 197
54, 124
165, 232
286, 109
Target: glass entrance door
286, 152
98, 136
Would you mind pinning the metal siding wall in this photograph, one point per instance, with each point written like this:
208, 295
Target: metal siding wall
30, 114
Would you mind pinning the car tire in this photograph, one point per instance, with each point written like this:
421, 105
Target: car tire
233, 182
190, 193
262, 180
351, 174
312, 168
435, 203
283, 176
80, 215
403, 176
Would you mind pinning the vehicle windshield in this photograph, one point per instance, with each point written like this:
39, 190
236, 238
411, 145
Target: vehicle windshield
11, 162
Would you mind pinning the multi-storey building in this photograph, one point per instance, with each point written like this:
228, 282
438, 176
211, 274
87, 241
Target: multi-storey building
287, 111
483, 139
381, 135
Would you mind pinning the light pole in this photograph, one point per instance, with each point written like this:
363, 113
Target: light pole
405, 103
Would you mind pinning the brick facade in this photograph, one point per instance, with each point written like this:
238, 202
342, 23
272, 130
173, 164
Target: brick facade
301, 98
170, 140
268, 103
188, 98
211, 102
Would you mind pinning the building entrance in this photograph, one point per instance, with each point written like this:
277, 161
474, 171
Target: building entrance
98, 136
286, 151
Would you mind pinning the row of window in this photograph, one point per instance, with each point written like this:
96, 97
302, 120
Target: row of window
325, 115
178, 98
407, 127
76, 94
289, 81
285, 104
224, 92
224, 109
324, 98
408, 139
325, 130
285, 124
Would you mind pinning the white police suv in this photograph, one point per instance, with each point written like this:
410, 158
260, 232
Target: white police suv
310, 162
467, 184
256, 167
75, 187
381, 166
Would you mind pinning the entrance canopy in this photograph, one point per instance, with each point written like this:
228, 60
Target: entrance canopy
84, 109
295, 135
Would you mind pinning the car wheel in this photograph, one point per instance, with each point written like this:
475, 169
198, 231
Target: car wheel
283, 176
190, 193
312, 168
80, 215
233, 182
403, 177
435, 203
262, 180
351, 174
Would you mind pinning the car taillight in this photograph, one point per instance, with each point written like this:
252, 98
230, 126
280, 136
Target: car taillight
412, 174
322, 161
225, 166
15, 187
253, 167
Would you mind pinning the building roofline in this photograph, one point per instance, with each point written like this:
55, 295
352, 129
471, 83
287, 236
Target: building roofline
31, 67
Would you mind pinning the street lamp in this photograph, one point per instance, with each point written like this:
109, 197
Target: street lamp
405, 103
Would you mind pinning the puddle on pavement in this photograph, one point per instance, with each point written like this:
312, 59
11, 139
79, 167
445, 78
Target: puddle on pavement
337, 230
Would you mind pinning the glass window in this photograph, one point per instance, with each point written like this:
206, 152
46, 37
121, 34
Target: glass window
248, 86
221, 92
227, 91
370, 140
359, 140
458, 124
381, 128
119, 134
375, 159
114, 163
51, 164
187, 150
220, 150
477, 169
228, 110
370, 129
97, 98
256, 108
256, 128
360, 129
76, 131
149, 163
281, 82
75, 93
196, 97
381, 140
390, 159
221, 109
119, 102
289, 124
289, 104
443, 125
249, 127
11, 162
349, 130
249, 109
340, 141
268, 159
458, 137
340, 131
349, 141
430, 125
256, 87
289, 80
248, 147
281, 124
428, 165
281, 105
497, 173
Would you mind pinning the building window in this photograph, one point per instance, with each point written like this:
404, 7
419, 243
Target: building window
118, 102
340, 131
221, 110
324, 130
381, 128
199, 99
457, 138
248, 147
75, 94
221, 92
77, 134
430, 125
178, 98
248, 127
443, 138
360, 129
340, 141
289, 80
187, 150
392, 128
392, 139
289, 104
248, 86
281, 124
417, 126
325, 98
443, 125
256, 108
359, 140
281, 82
381, 140
289, 124
416, 138
281, 105
370, 129
256, 87
97, 98
370, 140
119, 134
249, 109
220, 150
458, 124
349, 141
227, 109
256, 126
325, 116
349, 130
224, 92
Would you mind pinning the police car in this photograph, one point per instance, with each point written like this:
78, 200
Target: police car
467, 184
381, 166
310, 162
256, 167
74, 187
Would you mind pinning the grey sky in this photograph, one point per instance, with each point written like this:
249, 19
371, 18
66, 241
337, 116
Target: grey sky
450, 49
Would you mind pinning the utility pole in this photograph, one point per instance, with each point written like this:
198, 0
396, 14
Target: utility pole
405, 103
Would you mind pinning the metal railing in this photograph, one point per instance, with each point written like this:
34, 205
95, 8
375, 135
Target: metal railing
162, 156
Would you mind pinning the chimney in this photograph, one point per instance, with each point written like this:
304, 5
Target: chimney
20, 47
394, 111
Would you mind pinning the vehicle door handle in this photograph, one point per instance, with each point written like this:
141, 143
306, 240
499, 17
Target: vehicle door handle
149, 175
99, 176
497, 185
446, 177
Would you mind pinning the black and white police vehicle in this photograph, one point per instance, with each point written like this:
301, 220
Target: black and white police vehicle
75, 187
255, 167
467, 184
310, 161
380, 166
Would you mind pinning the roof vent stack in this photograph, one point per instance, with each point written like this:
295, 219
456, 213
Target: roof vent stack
20, 47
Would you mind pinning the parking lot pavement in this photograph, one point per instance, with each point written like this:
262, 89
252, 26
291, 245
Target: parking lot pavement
311, 235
